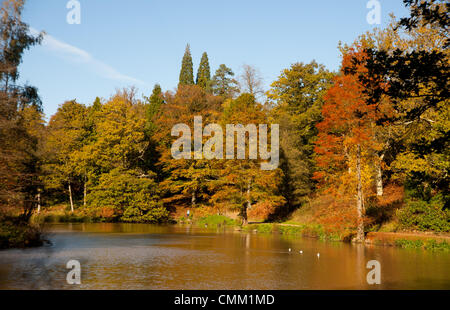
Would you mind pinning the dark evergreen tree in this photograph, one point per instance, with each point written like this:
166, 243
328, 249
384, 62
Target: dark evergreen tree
223, 83
187, 70
97, 105
297, 97
156, 98
153, 107
204, 73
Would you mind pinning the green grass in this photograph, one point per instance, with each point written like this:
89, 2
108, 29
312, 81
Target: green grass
260, 228
304, 230
291, 230
437, 246
409, 244
430, 244
214, 221
388, 227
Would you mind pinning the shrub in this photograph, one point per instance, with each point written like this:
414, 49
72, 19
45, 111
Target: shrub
423, 215
430, 244
122, 195
17, 233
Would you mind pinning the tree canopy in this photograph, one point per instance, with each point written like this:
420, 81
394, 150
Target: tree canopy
360, 148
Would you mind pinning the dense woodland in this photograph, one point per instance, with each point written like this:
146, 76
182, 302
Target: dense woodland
359, 148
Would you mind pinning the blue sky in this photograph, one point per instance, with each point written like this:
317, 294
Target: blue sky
141, 42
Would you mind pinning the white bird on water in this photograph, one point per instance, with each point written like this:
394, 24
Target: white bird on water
289, 250
301, 252
318, 255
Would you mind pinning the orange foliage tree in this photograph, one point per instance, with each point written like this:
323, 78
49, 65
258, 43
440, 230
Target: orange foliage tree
243, 186
347, 144
184, 181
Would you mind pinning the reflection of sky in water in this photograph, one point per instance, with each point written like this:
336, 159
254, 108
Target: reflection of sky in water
118, 256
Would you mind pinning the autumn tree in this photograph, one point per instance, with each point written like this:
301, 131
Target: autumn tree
123, 188
34, 125
251, 81
66, 133
86, 165
346, 146
120, 132
414, 63
18, 164
185, 180
297, 99
242, 184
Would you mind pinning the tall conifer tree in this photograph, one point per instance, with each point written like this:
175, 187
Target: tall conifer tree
204, 72
187, 70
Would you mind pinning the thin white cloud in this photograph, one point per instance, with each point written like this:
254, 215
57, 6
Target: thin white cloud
78, 55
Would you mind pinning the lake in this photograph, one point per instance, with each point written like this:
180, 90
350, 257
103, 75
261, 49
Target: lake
141, 256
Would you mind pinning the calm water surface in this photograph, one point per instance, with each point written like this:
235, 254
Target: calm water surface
138, 256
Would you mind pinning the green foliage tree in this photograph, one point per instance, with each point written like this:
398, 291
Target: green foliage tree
297, 96
66, 133
187, 69
124, 188
124, 195
223, 83
86, 167
204, 73
153, 106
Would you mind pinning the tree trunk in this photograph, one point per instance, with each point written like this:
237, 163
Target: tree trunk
379, 180
85, 191
359, 198
348, 159
193, 200
70, 197
244, 216
249, 202
39, 201
380, 177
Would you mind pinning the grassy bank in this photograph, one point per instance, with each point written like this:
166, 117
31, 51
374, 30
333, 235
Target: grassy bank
425, 241
303, 230
209, 221
300, 225
429, 244
61, 213
16, 233
409, 240
221, 221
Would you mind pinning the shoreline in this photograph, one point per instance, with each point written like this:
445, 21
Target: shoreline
417, 240
412, 240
